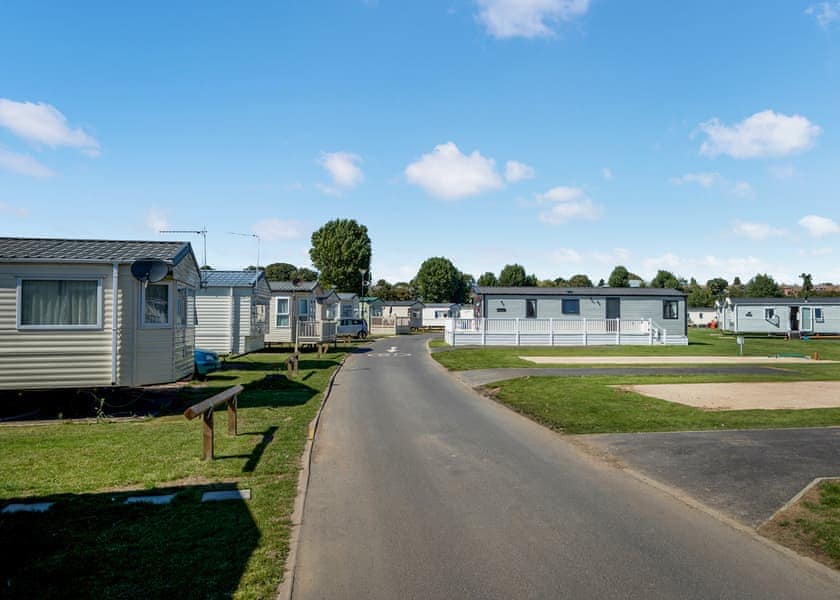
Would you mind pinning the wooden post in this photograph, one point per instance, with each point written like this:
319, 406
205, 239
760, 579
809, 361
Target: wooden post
208, 433
232, 414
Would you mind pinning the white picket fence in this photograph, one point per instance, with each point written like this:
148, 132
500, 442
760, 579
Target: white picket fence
557, 332
316, 332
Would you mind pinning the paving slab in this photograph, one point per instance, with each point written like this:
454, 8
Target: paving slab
781, 395
746, 474
477, 377
670, 360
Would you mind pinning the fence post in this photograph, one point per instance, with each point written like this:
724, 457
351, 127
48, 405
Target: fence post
207, 417
550, 331
585, 341
517, 331
483, 323
665, 336
231, 414
650, 332
618, 331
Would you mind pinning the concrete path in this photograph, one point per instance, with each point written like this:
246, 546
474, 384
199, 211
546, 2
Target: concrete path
670, 360
422, 489
747, 475
477, 377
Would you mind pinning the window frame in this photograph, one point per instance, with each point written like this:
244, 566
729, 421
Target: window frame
528, 303
100, 303
772, 313
287, 312
170, 306
563, 306
676, 312
819, 317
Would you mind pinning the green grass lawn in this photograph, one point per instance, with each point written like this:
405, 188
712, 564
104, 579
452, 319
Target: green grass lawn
589, 405
92, 545
702, 342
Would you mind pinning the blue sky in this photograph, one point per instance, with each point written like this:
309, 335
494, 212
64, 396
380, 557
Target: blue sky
566, 135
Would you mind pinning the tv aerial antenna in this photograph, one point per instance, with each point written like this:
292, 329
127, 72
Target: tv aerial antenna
253, 235
202, 232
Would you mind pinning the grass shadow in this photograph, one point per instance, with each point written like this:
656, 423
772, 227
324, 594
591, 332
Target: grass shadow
94, 545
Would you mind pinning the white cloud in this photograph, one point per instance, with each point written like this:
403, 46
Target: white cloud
757, 231
825, 13
607, 174
16, 211
742, 189
277, 229
764, 134
705, 180
527, 18
23, 164
569, 203
517, 171
449, 174
157, 219
669, 261
816, 252
566, 255
819, 226
343, 170
43, 124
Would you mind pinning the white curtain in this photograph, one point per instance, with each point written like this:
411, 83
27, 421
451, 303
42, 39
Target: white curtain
156, 310
59, 302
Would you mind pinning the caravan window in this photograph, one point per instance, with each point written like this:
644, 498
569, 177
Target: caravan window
181, 312
769, 314
282, 312
818, 315
65, 303
670, 309
531, 308
570, 306
156, 305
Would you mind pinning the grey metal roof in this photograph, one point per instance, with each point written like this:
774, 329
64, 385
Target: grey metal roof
400, 302
816, 300
90, 251
347, 295
289, 286
576, 291
439, 304
230, 278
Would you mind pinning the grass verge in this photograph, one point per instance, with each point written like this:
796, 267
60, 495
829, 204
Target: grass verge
812, 525
702, 342
91, 544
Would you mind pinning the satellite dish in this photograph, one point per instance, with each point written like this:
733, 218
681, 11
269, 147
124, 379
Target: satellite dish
149, 270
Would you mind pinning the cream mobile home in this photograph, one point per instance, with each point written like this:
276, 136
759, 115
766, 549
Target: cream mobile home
301, 306
74, 315
232, 309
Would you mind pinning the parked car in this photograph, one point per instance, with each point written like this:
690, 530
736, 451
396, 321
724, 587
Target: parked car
206, 361
356, 328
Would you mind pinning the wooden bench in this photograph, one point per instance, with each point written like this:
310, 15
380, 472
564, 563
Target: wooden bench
205, 409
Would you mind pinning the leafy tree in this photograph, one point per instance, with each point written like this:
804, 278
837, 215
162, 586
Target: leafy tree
488, 279
439, 281
561, 282
546, 283
601, 282
403, 291
280, 271
340, 248
465, 290
807, 285
580, 280
514, 276
207, 268
717, 286
699, 296
382, 289
763, 286
620, 277
305, 274
666, 279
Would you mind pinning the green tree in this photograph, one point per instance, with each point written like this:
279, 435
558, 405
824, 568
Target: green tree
488, 279
514, 276
382, 290
699, 296
580, 280
665, 279
763, 286
439, 281
207, 268
280, 271
807, 285
546, 283
403, 291
620, 277
717, 287
601, 282
561, 282
340, 248
305, 274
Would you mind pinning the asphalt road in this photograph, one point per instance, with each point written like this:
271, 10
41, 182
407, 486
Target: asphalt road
723, 469
421, 489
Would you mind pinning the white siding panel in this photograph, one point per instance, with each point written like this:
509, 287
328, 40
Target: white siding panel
214, 320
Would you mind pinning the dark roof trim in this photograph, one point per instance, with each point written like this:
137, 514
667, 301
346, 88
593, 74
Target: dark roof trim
813, 301
580, 291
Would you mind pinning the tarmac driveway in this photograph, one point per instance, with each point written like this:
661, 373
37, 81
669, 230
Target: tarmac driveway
746, 474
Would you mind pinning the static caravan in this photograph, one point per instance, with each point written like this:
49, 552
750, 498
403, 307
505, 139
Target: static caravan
95, 313
391, 317
295, 302
701, 316
572, 316
435, 315
348, 305
780, 316
466, 312
232, 309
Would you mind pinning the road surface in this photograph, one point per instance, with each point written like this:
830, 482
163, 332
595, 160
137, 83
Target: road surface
421, 489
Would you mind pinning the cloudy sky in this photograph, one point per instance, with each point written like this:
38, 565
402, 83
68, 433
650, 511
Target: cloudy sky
566, 135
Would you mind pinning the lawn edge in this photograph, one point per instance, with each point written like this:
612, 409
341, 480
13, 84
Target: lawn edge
590, 452
284, 590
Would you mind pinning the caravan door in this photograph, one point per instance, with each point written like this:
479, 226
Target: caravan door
806, 318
